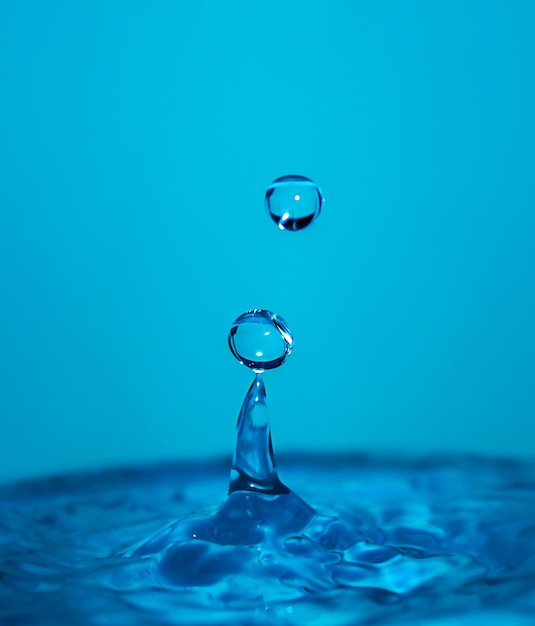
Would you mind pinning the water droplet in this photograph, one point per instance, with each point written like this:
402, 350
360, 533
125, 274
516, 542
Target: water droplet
293, 202
260, 340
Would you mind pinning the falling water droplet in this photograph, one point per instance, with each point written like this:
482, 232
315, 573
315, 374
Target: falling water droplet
293, 202
260, 339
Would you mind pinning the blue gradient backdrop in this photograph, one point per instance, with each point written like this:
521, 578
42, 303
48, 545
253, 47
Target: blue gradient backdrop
136, 142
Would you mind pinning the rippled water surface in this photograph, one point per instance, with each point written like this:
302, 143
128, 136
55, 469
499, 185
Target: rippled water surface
368, 541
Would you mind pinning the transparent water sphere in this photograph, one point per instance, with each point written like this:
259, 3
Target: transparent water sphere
260, 339
293, 202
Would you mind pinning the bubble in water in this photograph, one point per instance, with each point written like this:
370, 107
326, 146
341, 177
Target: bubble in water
260, 339
293, 202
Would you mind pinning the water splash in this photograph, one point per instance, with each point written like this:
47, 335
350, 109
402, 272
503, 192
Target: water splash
395, 543
267, 544
460, 531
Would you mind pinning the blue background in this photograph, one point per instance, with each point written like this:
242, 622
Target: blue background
136, 142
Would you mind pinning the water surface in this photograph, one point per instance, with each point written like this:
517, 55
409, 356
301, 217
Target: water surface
433, 541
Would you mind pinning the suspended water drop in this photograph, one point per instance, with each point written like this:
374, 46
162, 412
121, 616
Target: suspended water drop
260, 339
293, 202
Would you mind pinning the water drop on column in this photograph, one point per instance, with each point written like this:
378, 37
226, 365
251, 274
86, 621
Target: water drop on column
293, 202
261, 340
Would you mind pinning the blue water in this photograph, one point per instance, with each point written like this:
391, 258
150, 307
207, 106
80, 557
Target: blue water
351, 540
432, 541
